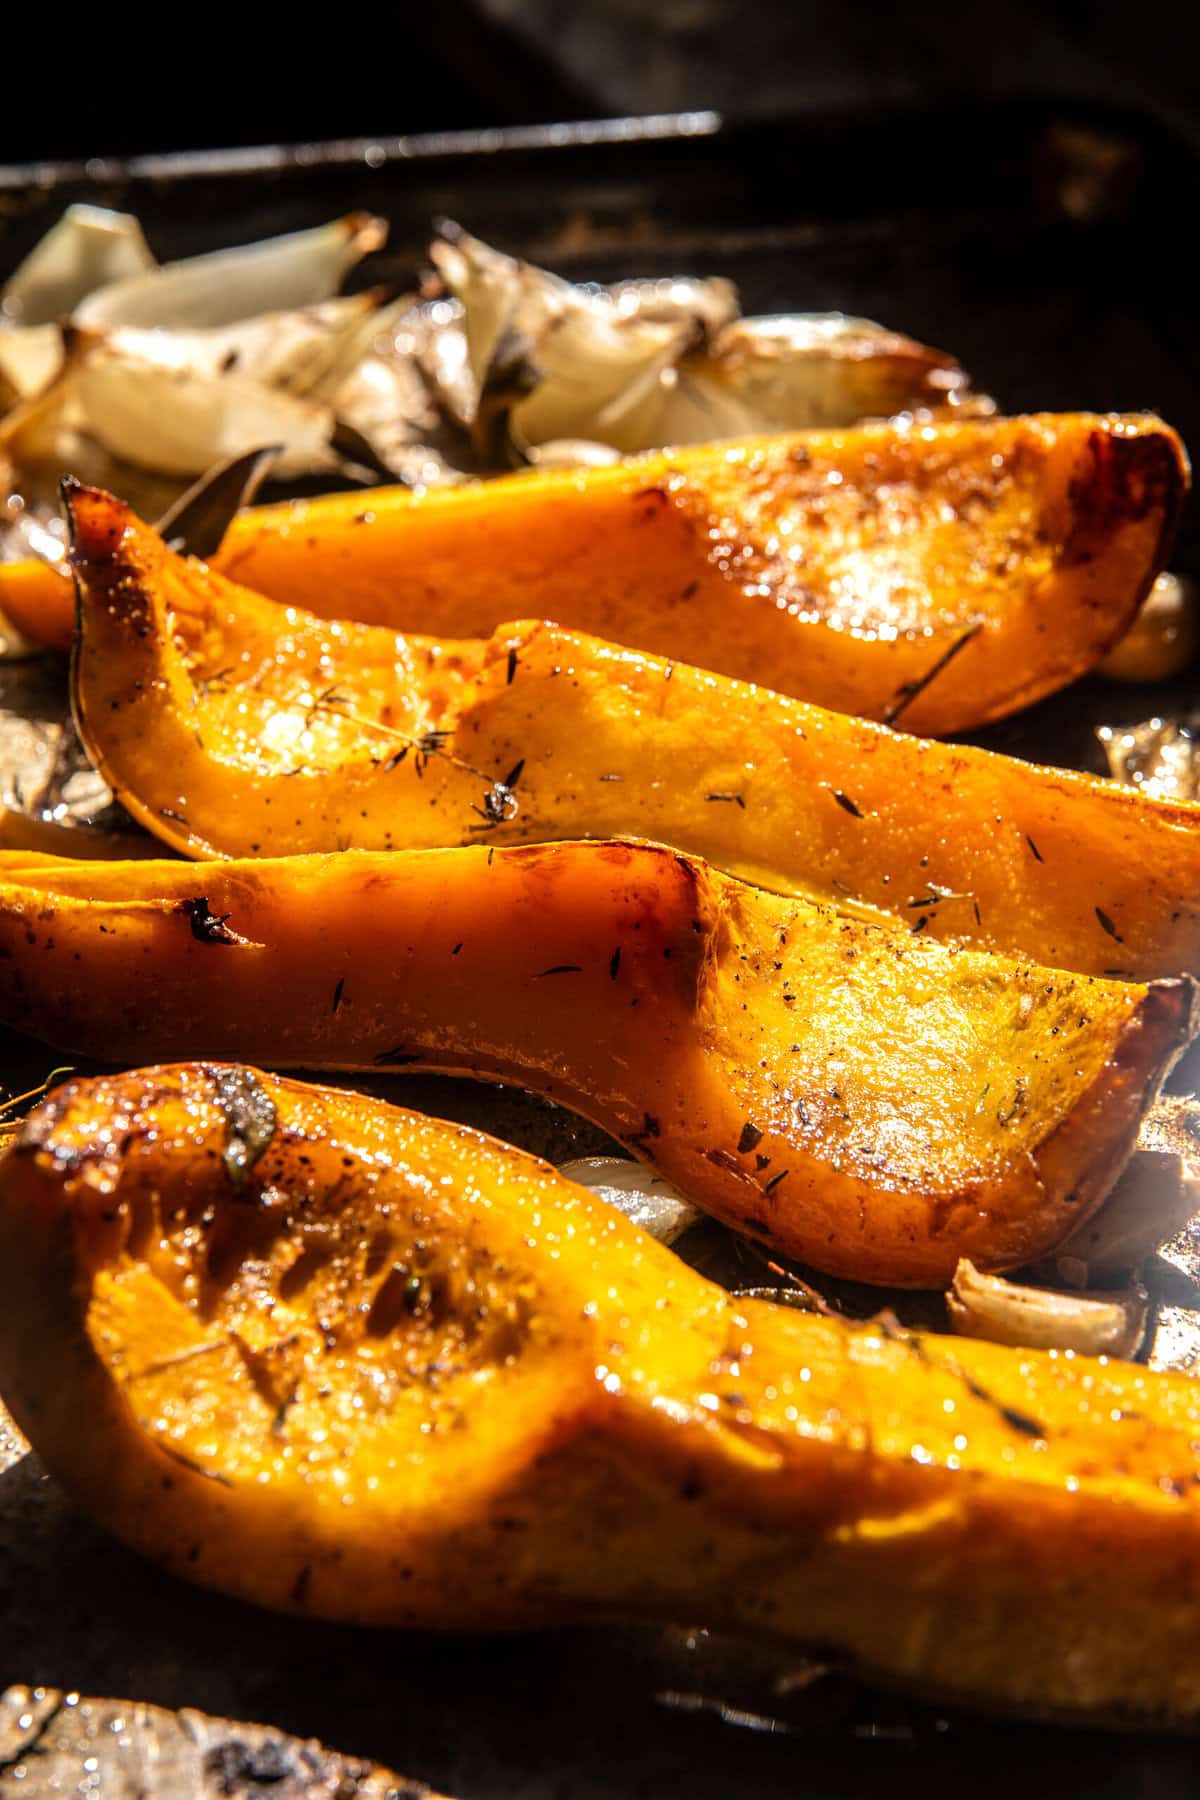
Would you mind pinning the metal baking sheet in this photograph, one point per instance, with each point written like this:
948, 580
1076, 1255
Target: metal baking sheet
1033, 240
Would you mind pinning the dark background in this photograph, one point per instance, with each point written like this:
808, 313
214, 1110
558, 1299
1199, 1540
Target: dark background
83, 85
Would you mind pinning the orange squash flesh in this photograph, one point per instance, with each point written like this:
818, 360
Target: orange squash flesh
838, 567
39, 599
231, 727
870, 1102
346, 1361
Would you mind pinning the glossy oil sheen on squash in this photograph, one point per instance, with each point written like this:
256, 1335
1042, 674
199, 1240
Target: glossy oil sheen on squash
233, 727
352, 1362
873, 1103
838, 567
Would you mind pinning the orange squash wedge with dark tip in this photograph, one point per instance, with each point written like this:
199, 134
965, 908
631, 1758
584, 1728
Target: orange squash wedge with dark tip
349, 1362
231, 727
839, 567
873, 1103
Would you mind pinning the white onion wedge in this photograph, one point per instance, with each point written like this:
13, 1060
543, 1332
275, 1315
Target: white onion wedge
277, 275
708, 301
390, 400
30, 358
433, 337
801, 371
646, 1198
588, 357
197, 380
171, 369
293, 352
650, 363
35, 430
89, 248
180, 401
180, 421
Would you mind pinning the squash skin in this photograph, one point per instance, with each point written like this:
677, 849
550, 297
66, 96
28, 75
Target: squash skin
869, 1102
836, 567
195, 699
561, 1421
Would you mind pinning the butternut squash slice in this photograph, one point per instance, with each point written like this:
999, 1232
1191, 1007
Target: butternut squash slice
231, 727
869, 1102
342, 1360
840, 567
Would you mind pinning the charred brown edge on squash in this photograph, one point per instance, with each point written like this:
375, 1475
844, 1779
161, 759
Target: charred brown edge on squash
1149, 1043
1134, 474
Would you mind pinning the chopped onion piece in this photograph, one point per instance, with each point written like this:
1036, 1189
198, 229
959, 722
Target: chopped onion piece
179, 401
588, 357
277, 275
646, 1198
984, 1306
645, 364
293, 351
388, 397
707, 301
168, 370
181, 421
799, 371
30, 358
792, 372
89, 248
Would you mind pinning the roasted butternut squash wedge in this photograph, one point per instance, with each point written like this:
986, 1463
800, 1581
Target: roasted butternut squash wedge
869, 1102
346, 1361
841, 567
231, 727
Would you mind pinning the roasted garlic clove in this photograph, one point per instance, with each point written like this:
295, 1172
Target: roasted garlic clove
1007, 1312
644, 1196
